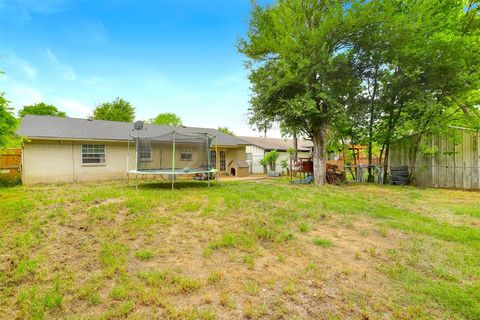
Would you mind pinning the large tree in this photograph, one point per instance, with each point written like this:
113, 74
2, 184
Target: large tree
299, 70
8, 122
41, 109
168, 118
117, 110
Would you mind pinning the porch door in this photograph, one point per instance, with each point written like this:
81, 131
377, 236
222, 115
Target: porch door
222, 161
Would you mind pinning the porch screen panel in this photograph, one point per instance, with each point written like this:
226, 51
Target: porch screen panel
222, 161
213, 159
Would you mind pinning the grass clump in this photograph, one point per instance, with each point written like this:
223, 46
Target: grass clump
322, 242
144, 254
304, 227
170, 282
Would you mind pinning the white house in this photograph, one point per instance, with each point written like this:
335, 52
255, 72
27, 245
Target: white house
260, 146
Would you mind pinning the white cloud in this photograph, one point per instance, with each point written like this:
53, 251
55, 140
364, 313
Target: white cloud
23, 65
78, 108
63, 70
22, 95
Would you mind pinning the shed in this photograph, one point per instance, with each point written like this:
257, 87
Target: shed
238, 168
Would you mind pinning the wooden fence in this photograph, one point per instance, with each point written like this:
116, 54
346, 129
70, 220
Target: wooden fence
451, 161
10, 164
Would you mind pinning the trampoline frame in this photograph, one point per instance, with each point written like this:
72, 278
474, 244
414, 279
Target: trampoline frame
170, 172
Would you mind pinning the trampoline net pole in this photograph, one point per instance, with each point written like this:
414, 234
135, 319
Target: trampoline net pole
217, 156
208, 167
173, 160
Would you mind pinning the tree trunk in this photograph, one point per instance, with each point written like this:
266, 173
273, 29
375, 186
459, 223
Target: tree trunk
319, 138
385, 162
370, 128
382, 150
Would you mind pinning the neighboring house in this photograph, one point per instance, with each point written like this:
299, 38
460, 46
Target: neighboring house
69, 149
260, 146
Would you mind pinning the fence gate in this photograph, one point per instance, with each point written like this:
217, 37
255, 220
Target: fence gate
11, 164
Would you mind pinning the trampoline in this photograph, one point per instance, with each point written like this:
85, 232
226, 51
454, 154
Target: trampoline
172, 154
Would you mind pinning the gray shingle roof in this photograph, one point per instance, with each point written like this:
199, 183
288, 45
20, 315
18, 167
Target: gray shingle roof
278, 143
37, 127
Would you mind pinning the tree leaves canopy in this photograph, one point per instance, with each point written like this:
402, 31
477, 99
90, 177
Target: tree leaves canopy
168, 118
117, 110
226, 130
41, 109
8, 122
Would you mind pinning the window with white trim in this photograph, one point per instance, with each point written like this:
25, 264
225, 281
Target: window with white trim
93, 153
186, 155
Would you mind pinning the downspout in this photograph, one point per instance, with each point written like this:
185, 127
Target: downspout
23, 162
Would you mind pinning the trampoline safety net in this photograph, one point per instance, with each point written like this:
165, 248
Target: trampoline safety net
174, 153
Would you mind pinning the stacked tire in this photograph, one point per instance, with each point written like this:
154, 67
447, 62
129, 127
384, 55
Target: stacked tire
399, 175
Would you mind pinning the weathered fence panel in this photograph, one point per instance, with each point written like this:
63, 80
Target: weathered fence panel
449, 162
11, 164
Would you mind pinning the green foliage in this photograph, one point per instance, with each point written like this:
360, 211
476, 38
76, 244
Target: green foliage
117, 110
144, 254
225, 130
271, 158
8, 123
10, 182
299, 71
322, 242
168, 118
41, 109
367, 72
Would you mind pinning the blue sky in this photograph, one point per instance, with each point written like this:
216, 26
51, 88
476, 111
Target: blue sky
162, 56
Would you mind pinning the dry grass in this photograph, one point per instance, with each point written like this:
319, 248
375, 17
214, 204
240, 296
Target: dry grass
250, 249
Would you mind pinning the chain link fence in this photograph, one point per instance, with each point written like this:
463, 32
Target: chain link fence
461, 177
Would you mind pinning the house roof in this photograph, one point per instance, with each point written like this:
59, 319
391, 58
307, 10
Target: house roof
46, 127
279, 144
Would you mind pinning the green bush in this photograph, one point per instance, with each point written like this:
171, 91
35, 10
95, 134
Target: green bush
271, 158
10, 182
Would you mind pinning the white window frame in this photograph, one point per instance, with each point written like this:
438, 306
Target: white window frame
94, 152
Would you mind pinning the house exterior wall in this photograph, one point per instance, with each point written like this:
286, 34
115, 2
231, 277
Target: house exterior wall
231, 153
51, 161
255, 154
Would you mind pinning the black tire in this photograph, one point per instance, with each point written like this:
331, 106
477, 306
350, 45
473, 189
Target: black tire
399, 179
399, 174
396, 183
399, 168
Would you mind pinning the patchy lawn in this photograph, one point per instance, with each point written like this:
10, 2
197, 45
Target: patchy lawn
252, 249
